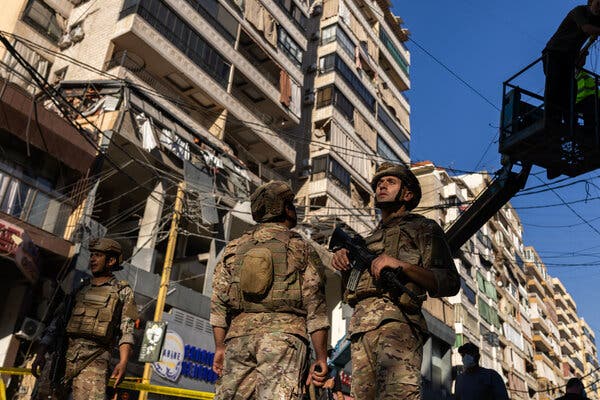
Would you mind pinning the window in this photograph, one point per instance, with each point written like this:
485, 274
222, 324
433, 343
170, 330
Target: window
42, 18
343, 105
221, 19
293, 11
335, 32
327, 167
328, 34
469, 293
291, 49
345, 42
182, 36
402, 63
325, 97
384, 150
354, 82
327, 63
392, 127
339, 174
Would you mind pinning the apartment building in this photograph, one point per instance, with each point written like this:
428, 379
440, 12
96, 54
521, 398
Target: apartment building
591, 373
544, 319
360, 116
491, 310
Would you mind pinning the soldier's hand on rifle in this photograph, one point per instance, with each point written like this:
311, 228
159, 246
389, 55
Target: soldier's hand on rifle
318, 373
218, 361
384, 261
39, 363
340, 260
119, 373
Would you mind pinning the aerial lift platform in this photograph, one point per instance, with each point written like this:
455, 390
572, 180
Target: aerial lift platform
528, 138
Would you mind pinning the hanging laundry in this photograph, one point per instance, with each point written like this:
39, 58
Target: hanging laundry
145, 129
285, 88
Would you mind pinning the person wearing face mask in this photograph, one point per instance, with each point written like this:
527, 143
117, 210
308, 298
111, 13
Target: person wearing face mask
477, 383
574, 390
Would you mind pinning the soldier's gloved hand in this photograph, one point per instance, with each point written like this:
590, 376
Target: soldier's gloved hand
384, 261
340, 260
119, 373
218, 361
38, 364
318, 373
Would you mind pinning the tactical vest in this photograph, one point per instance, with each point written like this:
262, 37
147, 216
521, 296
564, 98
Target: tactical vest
265, 279
586, 86
395, 240
97, 312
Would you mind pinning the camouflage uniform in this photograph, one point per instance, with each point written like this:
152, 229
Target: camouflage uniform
387, 331
266, 345
90, 382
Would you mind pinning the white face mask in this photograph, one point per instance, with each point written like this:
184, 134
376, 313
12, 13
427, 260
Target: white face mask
468, 361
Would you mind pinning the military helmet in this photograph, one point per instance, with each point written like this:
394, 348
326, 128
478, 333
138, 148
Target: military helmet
269, 200
406, 176
109, 246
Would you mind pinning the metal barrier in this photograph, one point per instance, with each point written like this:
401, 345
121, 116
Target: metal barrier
129, 383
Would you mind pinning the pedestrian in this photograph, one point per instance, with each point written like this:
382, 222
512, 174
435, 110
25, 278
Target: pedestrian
268, 299
574, 390
102, 316
387, 329
476, 382
560, 57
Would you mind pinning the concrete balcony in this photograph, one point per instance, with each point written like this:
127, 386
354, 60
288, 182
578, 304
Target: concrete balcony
542, 342
566, 347
534, 286
338, 198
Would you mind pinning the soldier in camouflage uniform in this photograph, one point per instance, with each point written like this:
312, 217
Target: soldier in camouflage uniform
103, 315
268, 298
388, 330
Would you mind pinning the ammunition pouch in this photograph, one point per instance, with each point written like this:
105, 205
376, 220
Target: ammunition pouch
264, 280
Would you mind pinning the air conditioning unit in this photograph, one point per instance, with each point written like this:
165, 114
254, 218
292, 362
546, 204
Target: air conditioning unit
30, 329
316, 10
315, 36
65, 41
312, 68
309, 98
305, 167
77, 34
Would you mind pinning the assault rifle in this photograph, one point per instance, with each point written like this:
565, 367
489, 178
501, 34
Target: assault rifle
361, 259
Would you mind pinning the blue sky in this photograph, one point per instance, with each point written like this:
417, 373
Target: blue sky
485, 43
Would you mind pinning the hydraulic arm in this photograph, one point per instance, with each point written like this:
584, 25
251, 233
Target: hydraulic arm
488, 203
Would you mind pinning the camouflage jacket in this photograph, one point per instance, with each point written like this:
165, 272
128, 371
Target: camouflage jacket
421, 242
226, 314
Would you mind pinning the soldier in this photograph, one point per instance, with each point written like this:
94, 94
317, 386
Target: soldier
268, 298
388, 330
103, 315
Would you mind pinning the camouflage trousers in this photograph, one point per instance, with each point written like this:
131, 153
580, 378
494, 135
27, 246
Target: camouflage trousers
91, 382
263, 367
386, 363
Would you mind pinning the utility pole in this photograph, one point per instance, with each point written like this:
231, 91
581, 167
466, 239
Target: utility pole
166, 276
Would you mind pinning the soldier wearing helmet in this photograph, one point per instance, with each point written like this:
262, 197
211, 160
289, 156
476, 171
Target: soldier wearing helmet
268, 301
388, 330
97, 316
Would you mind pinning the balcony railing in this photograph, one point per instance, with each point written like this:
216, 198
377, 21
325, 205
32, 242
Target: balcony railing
182, 36
33, 204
